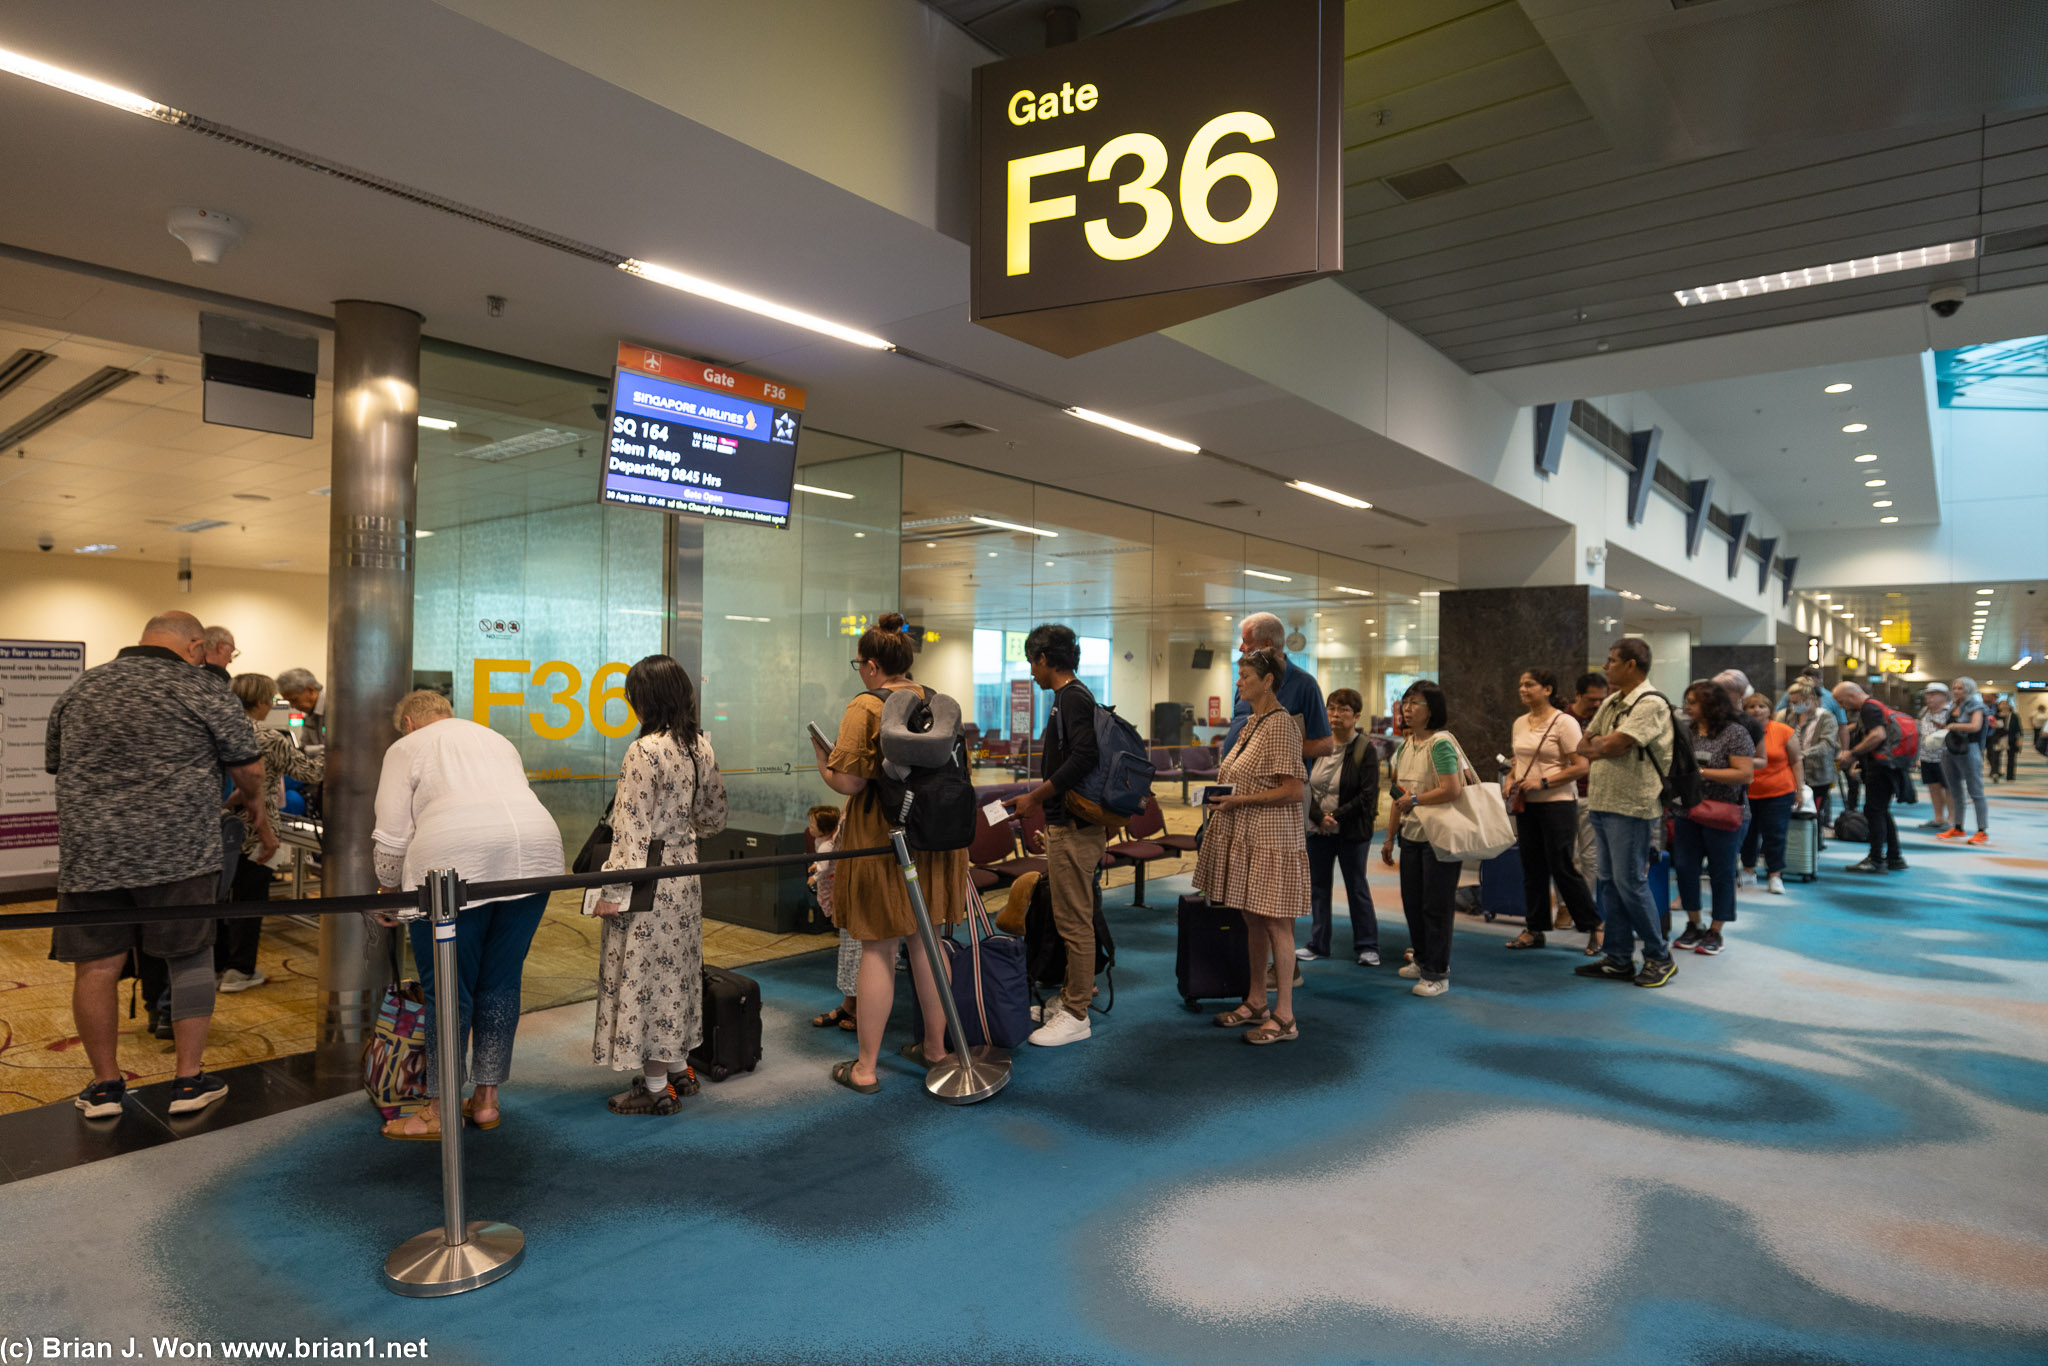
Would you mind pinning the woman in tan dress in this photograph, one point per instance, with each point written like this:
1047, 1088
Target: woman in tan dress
869, 900
1254, 856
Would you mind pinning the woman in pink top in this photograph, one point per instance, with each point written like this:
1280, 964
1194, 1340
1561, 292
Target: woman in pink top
1542, 789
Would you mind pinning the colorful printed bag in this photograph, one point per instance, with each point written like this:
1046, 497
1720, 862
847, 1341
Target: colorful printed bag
395, 1054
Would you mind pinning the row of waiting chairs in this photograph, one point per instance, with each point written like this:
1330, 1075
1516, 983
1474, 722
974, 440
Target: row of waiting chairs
1004, 852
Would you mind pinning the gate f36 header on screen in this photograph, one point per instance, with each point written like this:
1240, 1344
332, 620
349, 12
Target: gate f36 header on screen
1157, 174
700, 440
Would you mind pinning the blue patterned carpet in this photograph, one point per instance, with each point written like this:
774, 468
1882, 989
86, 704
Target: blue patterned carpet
1826, 1146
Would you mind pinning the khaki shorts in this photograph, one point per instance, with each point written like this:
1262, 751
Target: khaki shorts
166, 939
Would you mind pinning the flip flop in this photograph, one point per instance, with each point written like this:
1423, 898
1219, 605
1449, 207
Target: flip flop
469, 1115
837, 1015
843, 1074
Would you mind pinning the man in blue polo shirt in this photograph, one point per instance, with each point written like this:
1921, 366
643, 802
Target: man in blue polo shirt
1298, 691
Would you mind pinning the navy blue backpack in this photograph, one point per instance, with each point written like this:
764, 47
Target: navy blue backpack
1122, 778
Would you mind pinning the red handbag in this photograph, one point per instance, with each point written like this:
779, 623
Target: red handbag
1715, 814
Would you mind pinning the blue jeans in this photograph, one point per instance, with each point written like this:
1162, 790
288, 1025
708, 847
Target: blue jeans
1325, 854
1769, 819
1689, 842
490, 954
1965, 773
1624, 900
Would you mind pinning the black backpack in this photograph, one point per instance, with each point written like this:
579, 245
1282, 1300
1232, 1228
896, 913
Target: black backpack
923, 787
1045, 953
1683, 787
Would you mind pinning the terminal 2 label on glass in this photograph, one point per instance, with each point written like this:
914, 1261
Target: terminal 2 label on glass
1157, 174
700, 439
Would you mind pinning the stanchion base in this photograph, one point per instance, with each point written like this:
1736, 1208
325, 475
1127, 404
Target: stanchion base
963, 1081
426, 1267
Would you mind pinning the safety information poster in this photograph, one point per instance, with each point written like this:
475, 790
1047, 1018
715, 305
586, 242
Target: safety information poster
33, 675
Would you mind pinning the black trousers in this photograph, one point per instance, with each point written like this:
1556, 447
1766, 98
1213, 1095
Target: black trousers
1546, 833
2012, 764
235, 945
1880, 785
1428, 889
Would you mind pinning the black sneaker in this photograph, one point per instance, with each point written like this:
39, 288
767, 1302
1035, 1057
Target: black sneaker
1865, 866
1690, 938
1656, 972
102, 1099
1710, 943
1896, 865
160, 1022
1607, 970
190, 1095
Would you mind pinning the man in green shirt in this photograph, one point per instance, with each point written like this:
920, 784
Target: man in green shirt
1629, 742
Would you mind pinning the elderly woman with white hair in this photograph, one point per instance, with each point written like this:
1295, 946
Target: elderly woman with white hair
1969, 724
453, 794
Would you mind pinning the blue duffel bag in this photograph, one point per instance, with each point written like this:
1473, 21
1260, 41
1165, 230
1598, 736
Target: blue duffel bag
991, 985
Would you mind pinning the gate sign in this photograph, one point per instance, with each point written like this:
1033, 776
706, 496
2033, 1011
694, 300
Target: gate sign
1157, 174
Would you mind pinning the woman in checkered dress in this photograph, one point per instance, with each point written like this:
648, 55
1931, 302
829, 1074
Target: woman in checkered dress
1254, 856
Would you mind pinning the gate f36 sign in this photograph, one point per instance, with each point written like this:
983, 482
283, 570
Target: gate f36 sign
1150, 176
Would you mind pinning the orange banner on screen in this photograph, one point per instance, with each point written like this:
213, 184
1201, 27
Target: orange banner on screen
683, 370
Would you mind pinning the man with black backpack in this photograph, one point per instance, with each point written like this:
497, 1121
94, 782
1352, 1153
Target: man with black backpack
1624, 795
1878, 740
1069, 752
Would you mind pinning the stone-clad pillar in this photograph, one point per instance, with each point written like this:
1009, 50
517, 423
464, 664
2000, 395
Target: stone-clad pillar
1487, 636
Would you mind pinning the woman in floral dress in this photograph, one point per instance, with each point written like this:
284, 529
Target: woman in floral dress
1254, 855
650, 989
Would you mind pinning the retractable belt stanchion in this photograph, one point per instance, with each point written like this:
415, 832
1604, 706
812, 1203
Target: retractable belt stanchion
970, 1074
463, 1253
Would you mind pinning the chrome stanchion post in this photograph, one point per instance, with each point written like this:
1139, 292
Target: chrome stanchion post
462, 1254
970, 1074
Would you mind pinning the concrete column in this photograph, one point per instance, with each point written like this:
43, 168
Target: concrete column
375, 495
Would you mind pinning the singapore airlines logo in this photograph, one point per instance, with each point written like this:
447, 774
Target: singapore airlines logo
751, 423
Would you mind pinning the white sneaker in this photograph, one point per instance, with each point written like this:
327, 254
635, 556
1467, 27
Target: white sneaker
1744, 878
1410, 971
234, 979
1777, 884
1436, 988
1064, 1027
1369, 959
1307, 955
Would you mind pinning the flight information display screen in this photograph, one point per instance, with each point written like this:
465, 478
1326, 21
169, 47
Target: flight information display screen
698, 439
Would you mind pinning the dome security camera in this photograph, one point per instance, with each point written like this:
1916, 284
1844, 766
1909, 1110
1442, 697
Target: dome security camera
46, 542
1946, 300
206, 233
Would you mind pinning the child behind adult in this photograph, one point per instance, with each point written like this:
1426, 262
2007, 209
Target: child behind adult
823, 829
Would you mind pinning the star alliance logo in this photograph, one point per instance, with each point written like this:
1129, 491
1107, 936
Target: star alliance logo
785, 427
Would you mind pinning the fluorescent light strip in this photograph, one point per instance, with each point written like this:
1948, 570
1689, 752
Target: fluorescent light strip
1117, 424
2022, 662
1354, 592
1860, 268
1319, 491
437, 424
102, 547
752, 303
1262, 574
822, 493
1011, 526
730, 617
73, 83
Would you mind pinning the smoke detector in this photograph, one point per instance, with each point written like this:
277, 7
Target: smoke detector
206, 233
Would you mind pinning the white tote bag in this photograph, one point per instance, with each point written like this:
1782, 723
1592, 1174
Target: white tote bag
1475, 825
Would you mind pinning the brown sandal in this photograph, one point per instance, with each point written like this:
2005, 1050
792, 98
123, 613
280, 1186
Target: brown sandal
837, 1015
1243, 1015
1272, 1030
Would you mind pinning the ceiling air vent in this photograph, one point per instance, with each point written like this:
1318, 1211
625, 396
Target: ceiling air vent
20, 366
203, 524
70, 401
1229, 503
962, 428
1429, 180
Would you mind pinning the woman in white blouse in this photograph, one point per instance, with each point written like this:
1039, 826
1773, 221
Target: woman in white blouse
1542, 790
453, 794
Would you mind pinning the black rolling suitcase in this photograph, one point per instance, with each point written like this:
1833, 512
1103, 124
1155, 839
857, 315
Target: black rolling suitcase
1802, 847
732, 1025
1212, 960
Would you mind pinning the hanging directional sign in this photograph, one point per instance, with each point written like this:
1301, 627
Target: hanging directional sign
1159, 173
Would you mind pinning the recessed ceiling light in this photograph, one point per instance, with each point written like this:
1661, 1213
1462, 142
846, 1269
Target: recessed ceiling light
204, 524
1662, 608
1262, 574
1355, 592
436, 424
860, 535
96, 548
1912, 259
1855, 427
1887, 520
1117, 424
1012, 526
1873, 483
1431, 593
322, 492
91, 89
1865, 458
1840, 387
1048, 564
1823, 597
822, 493
752, 303
991, 554
1983, 591
421, 534
252, 497
1884, 621
931, 545
1882, 503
